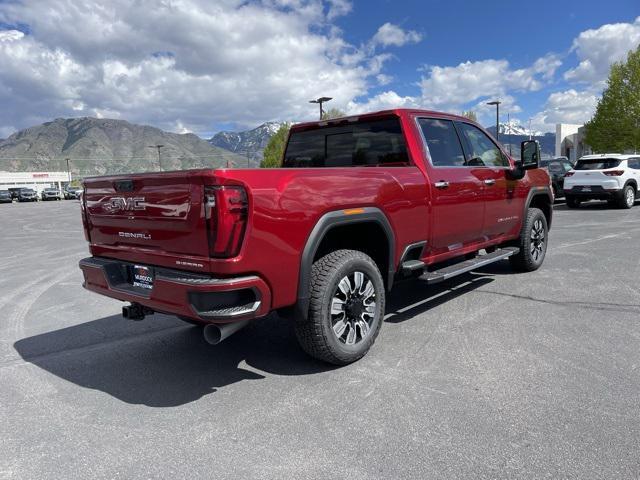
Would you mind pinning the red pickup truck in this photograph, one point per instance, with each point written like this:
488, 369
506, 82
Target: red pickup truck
358, 204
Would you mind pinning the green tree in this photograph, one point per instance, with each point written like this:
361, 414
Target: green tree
615, 127
471, 115
274, 150
332, 113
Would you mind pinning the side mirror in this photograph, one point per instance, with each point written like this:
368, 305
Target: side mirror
529, 154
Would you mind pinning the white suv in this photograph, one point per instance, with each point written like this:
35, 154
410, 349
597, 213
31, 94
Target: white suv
610, 176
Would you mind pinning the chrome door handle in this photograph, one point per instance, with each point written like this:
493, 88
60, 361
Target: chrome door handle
441, 184
490, 181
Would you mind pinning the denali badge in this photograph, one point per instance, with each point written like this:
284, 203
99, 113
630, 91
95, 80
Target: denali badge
141, 236
121, 203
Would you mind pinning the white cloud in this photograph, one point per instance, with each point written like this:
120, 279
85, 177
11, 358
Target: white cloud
384, 79
10, 35
195, 62
598, 48
451, 88
570, 106
338, 8
393, 35
383, 101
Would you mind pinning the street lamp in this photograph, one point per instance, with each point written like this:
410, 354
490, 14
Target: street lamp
320, 101
497, 104
158, 147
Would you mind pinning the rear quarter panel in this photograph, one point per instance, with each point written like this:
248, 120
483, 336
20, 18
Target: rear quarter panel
287, 203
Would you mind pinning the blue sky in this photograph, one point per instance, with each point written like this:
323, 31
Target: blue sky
201, 66
456, 31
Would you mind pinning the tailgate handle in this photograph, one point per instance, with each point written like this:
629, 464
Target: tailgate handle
123, 185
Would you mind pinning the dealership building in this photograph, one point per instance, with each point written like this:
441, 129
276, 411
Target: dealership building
36, 180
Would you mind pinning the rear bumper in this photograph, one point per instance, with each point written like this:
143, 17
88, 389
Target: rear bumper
185, 294
596, 192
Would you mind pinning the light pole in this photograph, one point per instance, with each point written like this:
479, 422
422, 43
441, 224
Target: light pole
68, 170
497, 104
530, 134
320, 101
158, 147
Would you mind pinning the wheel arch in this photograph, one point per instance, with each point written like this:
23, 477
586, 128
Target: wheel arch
542, 198
322, 236
631, 182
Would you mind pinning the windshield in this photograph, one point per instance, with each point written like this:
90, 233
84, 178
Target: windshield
366, 143
597, 164
26, 190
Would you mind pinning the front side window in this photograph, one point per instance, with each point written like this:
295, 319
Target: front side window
481, 151
444, 145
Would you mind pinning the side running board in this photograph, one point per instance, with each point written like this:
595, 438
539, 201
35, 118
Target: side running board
468, 265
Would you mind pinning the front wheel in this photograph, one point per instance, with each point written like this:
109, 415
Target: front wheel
532, 242
346, 308
628, 197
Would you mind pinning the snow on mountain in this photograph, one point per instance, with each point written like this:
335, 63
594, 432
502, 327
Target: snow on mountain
249, 143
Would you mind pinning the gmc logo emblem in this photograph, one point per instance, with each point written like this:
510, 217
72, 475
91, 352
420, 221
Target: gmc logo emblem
121, 203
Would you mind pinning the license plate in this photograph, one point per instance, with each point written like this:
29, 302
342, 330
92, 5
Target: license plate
586, 189
142, 277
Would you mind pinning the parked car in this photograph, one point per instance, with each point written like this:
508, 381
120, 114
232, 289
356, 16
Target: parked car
27, 195
14, 192
557, 168
72, 193
611, 177
358, 204
5, 196
51, 194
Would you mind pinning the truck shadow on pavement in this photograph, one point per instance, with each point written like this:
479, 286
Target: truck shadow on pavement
162, 362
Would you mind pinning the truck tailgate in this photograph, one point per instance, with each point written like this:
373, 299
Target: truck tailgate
160, 212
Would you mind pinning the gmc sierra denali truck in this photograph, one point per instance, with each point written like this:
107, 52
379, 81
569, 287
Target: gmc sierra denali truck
358, 204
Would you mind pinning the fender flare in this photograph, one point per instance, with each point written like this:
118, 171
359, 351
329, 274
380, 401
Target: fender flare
326, 222
533, 192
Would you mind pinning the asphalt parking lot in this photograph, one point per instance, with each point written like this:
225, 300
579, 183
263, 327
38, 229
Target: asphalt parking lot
491, 375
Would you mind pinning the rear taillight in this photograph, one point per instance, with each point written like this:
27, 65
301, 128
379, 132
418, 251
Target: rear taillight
226, 210
614, 173
569, 174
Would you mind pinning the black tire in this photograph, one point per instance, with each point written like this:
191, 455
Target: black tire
572, 202
533, 245
627, 197
319, 335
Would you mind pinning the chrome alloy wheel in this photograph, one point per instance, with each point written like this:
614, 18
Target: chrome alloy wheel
537, 240
630, 197
353, 308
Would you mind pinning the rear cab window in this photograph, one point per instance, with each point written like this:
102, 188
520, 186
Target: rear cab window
366, 143
597, 164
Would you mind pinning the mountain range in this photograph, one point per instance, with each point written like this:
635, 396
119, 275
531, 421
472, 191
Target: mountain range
98, 146
103, 146
249, 143
512, 135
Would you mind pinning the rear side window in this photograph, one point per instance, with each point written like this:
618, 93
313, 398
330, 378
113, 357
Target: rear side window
634, 163
378, 142
444, 145
597, 164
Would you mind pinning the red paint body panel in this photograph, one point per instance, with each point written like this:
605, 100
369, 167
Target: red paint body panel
285, 204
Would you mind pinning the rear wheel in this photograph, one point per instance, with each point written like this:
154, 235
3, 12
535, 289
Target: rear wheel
532, 242
572, 202
628, 197
346, 308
